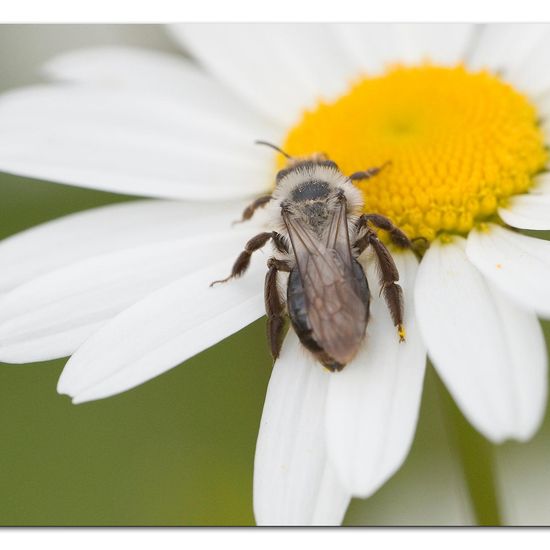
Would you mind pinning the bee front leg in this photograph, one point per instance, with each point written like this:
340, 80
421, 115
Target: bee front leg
274, 306
367, 174
252, 207
389, 277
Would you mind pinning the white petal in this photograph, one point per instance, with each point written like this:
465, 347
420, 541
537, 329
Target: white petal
373, 404
52, 315
516, 264
162, 330
138, 69
135, 143
107, 229
530, 211
441, 43
541, 183
375, 46
430, 487
281, 69
505, 47
44, 41
133, 68
293, 482
489, 352
542, 104
524, 483
531, 75
368, 45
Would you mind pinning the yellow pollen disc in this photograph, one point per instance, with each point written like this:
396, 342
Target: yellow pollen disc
458, 145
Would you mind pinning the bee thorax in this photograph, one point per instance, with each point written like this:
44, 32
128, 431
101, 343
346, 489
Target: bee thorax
315, 214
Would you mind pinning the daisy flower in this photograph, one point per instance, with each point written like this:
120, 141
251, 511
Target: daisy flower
459, 111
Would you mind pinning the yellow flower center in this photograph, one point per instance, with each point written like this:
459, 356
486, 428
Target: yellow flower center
458, 145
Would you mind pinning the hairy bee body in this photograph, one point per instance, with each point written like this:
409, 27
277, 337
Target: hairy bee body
318, 234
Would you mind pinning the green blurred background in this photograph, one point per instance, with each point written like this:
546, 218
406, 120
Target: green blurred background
179, 450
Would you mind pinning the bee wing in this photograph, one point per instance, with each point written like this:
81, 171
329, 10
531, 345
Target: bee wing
337, 310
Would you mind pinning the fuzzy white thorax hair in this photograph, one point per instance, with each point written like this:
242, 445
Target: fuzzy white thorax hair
313, 172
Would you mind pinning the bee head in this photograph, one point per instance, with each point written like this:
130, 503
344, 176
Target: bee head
299, 163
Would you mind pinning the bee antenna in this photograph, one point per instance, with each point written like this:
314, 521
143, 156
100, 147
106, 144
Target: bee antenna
259, 142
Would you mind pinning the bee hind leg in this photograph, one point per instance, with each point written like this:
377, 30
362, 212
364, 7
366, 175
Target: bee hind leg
274, 306
389, 277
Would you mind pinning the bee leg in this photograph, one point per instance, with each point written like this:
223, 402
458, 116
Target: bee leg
279, 265
252, 207
280, 244
367, 174
381, 222
389, 275
243, 261
361, 244
274, 306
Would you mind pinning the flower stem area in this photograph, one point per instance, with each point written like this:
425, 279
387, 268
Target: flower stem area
475, 456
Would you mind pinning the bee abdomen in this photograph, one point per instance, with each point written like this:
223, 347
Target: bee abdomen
298, 312
300, 315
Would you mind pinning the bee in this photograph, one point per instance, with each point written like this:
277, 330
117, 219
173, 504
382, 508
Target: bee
318, 234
